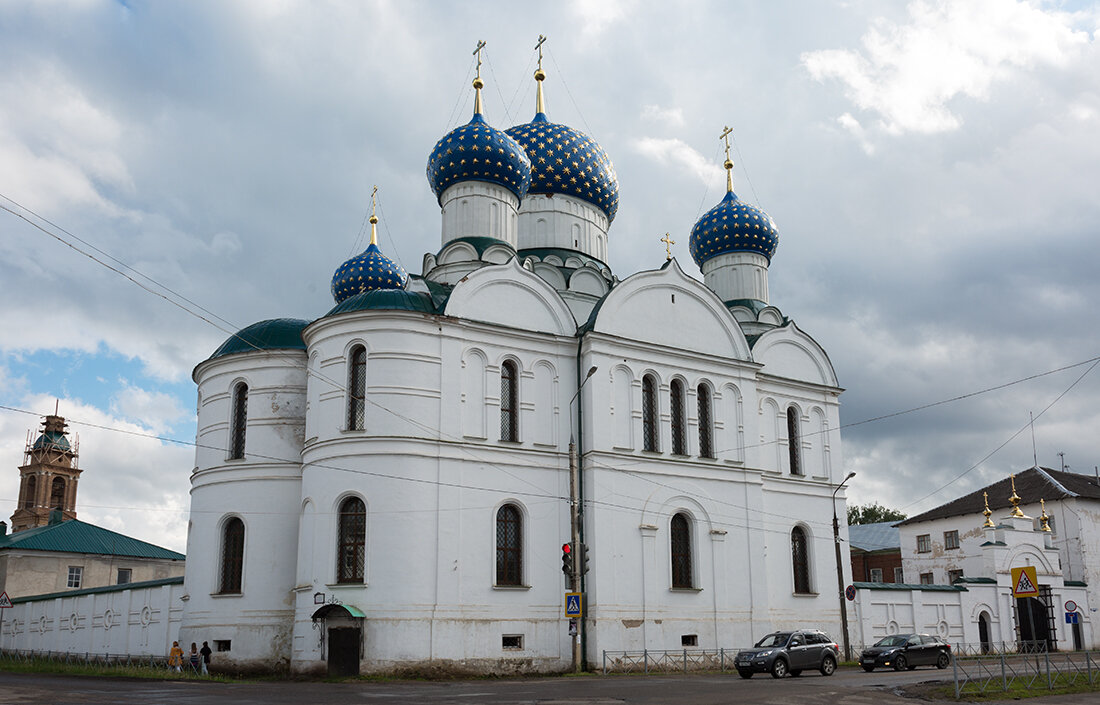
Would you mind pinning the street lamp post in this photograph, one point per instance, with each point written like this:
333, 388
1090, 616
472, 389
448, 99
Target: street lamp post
575, 519
840, 572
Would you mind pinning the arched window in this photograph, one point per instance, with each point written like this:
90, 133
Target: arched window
649, 414
800, 560
357, 388
706, 435
679, 422
31, 497
353, 541
794, 441
232, 556
239, 421
57, 493
509, 545
680, 544
509, 402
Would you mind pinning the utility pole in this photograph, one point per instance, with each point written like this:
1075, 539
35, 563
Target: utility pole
840, 573
575, 519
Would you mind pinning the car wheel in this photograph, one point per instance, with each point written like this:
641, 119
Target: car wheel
868, 668
828, 665
744, 674
901, 663
943, 661
779, 668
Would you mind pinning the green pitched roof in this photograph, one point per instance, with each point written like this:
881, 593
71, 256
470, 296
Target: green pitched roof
178, 580
273, 334
75, 536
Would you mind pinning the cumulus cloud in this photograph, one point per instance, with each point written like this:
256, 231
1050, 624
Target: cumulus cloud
674, 152
671, 117
908, 74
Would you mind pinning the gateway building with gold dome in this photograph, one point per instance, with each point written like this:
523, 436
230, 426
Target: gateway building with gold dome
388, 485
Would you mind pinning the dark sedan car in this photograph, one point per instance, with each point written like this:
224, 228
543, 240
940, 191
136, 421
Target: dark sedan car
906, 651
783, 653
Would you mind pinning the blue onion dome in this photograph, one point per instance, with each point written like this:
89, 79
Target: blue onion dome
368, 270
732, 225
567, 161
478, 151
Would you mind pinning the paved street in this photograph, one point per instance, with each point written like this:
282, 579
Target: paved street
847, 687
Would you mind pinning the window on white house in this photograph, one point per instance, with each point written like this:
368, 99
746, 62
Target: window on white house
926, 579
924, 543
950, 539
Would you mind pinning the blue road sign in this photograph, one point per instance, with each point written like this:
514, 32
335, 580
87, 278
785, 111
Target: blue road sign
1072, 617
572, 604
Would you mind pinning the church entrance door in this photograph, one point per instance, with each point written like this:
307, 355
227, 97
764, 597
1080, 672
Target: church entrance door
343, 651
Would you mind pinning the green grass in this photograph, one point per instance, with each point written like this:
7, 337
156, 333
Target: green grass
1016, 690
39, 665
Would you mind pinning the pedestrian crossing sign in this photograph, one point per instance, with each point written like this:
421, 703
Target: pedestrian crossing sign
572, 604
4, 600
1025, 583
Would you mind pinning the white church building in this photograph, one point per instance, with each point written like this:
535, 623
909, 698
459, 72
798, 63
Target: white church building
388, 484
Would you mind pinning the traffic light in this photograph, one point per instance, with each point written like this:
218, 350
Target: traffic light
583, 558
567, 563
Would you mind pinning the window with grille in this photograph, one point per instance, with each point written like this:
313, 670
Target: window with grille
794, 441
76, 576
924, 543
125, 575
239, 421
680, 540
353, 541
357, 389
509, 545
509, 402
800, 560
649, 414
706, 444
950, 539
679, 423
232, 557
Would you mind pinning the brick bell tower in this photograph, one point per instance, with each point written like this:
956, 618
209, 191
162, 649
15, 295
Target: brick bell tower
47, 479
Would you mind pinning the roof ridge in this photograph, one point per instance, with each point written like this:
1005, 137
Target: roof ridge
1054, 482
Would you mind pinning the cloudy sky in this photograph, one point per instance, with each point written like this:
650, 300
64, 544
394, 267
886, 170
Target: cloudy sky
932, 166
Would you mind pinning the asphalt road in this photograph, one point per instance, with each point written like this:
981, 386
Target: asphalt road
846, 687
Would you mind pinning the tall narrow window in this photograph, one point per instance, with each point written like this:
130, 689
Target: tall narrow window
353, 541
800, 559
357, 388
680, 543
509, 402
232, 556
649, 414
32, 492
240, 421
679, 423
509, 545
794, 441
706, 436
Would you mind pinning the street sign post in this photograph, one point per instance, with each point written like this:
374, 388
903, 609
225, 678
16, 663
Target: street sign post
573, 604
5, 601
1071, 606
850, 593
1072, 617
1025, 582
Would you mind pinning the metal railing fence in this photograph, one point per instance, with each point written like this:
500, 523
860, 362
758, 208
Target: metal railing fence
102, 660
1036, 670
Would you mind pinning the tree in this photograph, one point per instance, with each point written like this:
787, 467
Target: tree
872, 513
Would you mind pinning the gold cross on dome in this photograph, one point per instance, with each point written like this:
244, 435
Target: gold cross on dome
542, 38
669, 242
725, 137
477, 53
728, 164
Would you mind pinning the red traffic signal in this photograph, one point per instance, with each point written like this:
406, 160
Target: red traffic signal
566, 548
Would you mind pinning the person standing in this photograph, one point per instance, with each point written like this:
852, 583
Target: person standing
193, 657
205, 651
175, 657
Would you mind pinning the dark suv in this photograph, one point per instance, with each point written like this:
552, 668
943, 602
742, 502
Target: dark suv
783, 653
906, 652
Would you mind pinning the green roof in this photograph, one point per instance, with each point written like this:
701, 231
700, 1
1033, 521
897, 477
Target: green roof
387, 299
1076, 583
273, 334
75, 536
178, 580
909, 586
